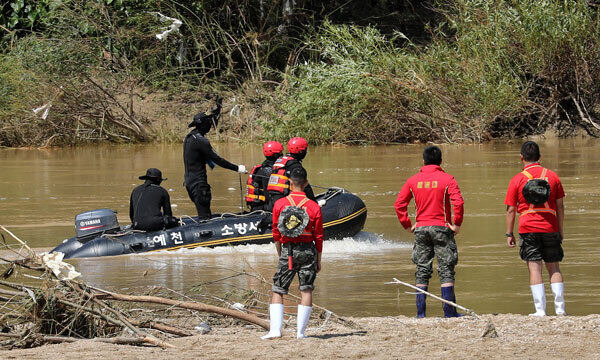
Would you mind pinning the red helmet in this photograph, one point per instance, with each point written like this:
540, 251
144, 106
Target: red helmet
271, 148
297, 145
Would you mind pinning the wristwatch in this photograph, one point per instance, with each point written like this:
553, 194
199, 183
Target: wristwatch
509, 235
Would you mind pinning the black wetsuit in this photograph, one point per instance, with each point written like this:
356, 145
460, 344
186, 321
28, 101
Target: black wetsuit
145, 206
261, 179
273, 196
197, 152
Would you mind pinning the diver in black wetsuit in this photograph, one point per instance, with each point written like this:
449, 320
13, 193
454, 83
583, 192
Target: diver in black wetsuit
197, 153
146, 203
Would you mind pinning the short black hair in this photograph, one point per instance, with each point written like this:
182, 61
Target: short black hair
432, 155
530, 151
298, 176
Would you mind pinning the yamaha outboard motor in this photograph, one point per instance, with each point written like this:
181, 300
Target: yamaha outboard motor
91, 224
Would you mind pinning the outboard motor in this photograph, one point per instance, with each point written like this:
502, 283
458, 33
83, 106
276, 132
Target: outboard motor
91, 224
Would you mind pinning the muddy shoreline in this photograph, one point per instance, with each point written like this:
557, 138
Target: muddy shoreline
400, 337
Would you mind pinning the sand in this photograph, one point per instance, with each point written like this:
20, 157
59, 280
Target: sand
519, 337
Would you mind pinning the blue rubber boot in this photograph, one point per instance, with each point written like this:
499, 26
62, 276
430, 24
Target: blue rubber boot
421, 302
449, 310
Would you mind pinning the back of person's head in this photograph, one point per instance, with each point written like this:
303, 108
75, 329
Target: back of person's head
297, 147
432, 155
272, 150
298, 176
530, 151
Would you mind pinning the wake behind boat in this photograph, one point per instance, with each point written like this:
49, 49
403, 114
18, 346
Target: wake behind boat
99, 234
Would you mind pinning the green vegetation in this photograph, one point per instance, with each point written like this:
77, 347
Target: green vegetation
509, 68
336, 71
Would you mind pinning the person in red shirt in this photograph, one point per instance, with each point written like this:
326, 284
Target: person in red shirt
299, 254
435, 193
540, 227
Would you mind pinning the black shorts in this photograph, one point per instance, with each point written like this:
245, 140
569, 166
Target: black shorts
541, 246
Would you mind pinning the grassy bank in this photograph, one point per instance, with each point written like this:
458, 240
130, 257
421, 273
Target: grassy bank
466, 71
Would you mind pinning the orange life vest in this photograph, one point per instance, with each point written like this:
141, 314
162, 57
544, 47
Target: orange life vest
546, 207
254, 194
279, 182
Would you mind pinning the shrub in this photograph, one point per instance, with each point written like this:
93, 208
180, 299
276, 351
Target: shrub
495, 68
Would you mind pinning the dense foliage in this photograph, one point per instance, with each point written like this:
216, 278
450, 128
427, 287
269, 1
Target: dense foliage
332, 71
493, 69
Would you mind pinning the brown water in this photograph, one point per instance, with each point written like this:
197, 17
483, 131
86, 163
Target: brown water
42, 191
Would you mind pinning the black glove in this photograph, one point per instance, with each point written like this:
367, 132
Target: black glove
171, 221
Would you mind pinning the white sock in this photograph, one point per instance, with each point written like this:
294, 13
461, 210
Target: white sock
302, 320
276, 321
558, 289
539, 299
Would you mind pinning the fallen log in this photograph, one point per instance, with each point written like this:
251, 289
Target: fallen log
191, 305
115, 340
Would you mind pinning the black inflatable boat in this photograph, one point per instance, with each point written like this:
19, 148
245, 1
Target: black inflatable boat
99, 233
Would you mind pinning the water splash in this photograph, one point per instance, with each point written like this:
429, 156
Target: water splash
363, 243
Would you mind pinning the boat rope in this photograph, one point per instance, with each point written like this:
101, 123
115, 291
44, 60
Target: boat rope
311, 184
189, 217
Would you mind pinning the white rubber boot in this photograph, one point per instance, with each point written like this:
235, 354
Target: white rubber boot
275, 321
558, 290
539, 299
302, 319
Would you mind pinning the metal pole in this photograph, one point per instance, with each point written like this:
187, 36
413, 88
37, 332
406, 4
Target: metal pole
241, 194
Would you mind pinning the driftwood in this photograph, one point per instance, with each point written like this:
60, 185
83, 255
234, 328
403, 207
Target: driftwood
114, 340
488, 332
468, 311
54, 309
160, 327
191, 305
148, 338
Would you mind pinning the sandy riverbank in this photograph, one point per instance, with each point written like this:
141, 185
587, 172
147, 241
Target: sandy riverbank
519, 337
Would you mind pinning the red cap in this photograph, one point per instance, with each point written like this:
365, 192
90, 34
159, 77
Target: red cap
297, 145
271, 148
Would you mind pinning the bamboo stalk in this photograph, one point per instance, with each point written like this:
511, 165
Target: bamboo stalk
396, 281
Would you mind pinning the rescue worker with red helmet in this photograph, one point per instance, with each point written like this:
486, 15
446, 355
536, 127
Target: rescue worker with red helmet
279, 182
256, 193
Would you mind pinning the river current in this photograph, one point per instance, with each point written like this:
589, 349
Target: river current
41, 191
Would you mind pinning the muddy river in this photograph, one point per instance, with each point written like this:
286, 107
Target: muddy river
41, 191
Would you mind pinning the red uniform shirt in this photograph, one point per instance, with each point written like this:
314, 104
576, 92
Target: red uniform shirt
540, 221
314, 226
434, 191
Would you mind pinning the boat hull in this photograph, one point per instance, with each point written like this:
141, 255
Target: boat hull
344, 215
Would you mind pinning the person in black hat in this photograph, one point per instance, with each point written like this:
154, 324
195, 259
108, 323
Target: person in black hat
197, 153
150, 204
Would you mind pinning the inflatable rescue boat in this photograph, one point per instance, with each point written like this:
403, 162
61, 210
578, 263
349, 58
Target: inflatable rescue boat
98, 232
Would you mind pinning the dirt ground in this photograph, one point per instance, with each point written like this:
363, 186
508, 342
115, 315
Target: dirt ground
519, 337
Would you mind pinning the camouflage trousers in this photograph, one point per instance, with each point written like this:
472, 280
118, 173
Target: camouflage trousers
438, 241
304, 259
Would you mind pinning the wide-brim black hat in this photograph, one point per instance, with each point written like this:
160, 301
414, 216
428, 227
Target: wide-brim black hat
153, 174
199, 119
